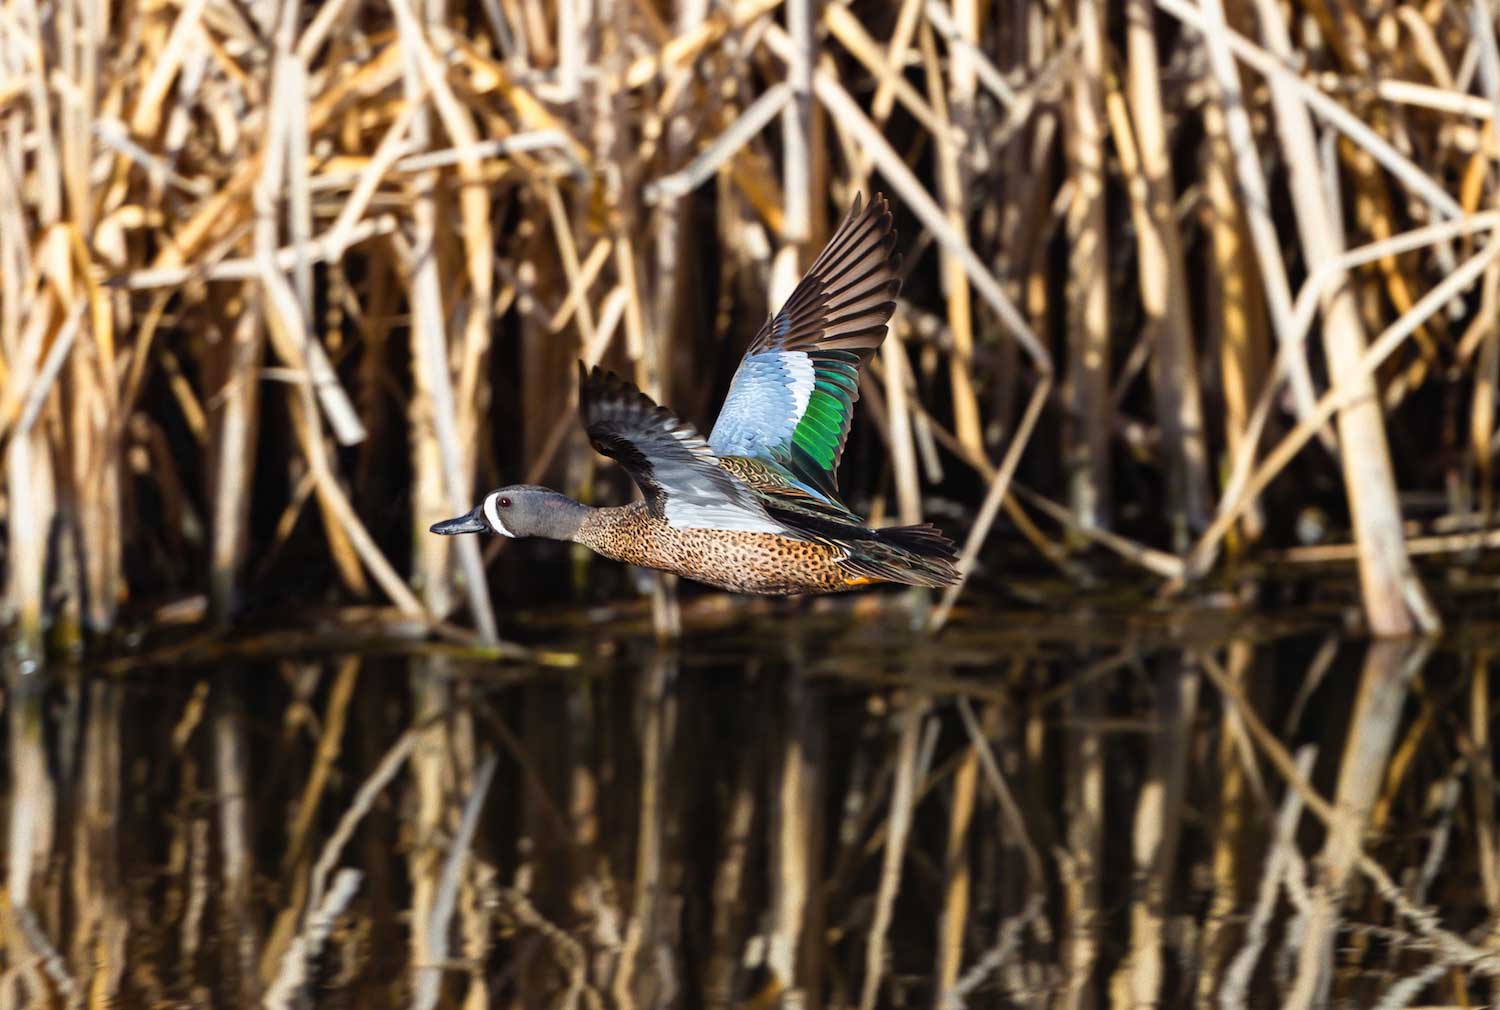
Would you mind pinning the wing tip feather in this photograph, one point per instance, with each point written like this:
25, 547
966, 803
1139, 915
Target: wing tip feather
598, 387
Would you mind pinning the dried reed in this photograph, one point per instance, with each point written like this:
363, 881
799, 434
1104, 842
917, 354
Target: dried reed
256, 256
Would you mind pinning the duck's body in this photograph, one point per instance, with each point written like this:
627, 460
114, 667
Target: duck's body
765, 564
741, 561
754, 507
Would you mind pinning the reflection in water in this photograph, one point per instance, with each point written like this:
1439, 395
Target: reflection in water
792, 813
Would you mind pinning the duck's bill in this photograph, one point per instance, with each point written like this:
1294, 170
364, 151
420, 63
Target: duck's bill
469, 522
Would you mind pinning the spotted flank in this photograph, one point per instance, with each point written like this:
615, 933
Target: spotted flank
753, 508
764, 564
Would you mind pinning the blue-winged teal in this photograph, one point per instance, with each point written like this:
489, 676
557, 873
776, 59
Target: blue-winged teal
753, 508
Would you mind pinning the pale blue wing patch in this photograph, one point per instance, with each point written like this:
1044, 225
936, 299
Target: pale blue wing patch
767, 398
792, 398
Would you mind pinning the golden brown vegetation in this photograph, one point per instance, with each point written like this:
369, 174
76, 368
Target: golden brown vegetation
282, 283
265, 259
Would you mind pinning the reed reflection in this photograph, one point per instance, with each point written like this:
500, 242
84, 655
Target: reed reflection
830, 820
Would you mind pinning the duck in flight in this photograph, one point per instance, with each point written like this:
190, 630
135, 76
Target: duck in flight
753, 508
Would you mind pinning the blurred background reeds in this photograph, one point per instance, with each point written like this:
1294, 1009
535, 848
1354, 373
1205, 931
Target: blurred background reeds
283, 283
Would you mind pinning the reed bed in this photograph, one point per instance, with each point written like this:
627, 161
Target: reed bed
281, 284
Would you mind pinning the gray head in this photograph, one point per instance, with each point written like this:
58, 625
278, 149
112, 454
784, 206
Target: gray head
522, 510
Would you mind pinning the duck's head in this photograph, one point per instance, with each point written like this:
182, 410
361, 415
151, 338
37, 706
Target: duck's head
521, 510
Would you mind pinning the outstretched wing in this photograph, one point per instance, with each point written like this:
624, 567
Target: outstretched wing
793, 395
666, 457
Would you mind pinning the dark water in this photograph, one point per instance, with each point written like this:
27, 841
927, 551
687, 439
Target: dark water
1076, 806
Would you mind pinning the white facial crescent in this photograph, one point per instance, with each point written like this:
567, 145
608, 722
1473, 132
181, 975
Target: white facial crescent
492, 513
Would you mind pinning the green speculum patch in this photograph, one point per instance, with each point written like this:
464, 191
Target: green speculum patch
818, 432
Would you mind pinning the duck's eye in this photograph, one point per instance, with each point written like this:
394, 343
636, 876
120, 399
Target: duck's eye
505, 503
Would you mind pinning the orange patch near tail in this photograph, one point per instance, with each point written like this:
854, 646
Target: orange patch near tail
859, 580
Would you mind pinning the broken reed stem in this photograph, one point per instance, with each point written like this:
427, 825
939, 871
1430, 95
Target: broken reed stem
796, 156
1373, 724
330, 742
291, 980
1421, 918
1210, 21
1156, 833
950, 178
901, 178
1238, 312
991, 507
235, 463
898, 825
792, 827
956, 866
1317, 284
1255, 197
429, 976
1010, 809
1378, 350
443, 477
1086, 455
1278, 858
239, 957
1387, 579
1163, 279
899, 429
1080, 863
654, 703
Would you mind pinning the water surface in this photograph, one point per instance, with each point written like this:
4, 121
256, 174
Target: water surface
1102, 803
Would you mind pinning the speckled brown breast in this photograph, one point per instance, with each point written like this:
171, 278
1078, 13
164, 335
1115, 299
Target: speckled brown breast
762, 563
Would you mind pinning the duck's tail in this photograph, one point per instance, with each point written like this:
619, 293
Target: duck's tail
909, 555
